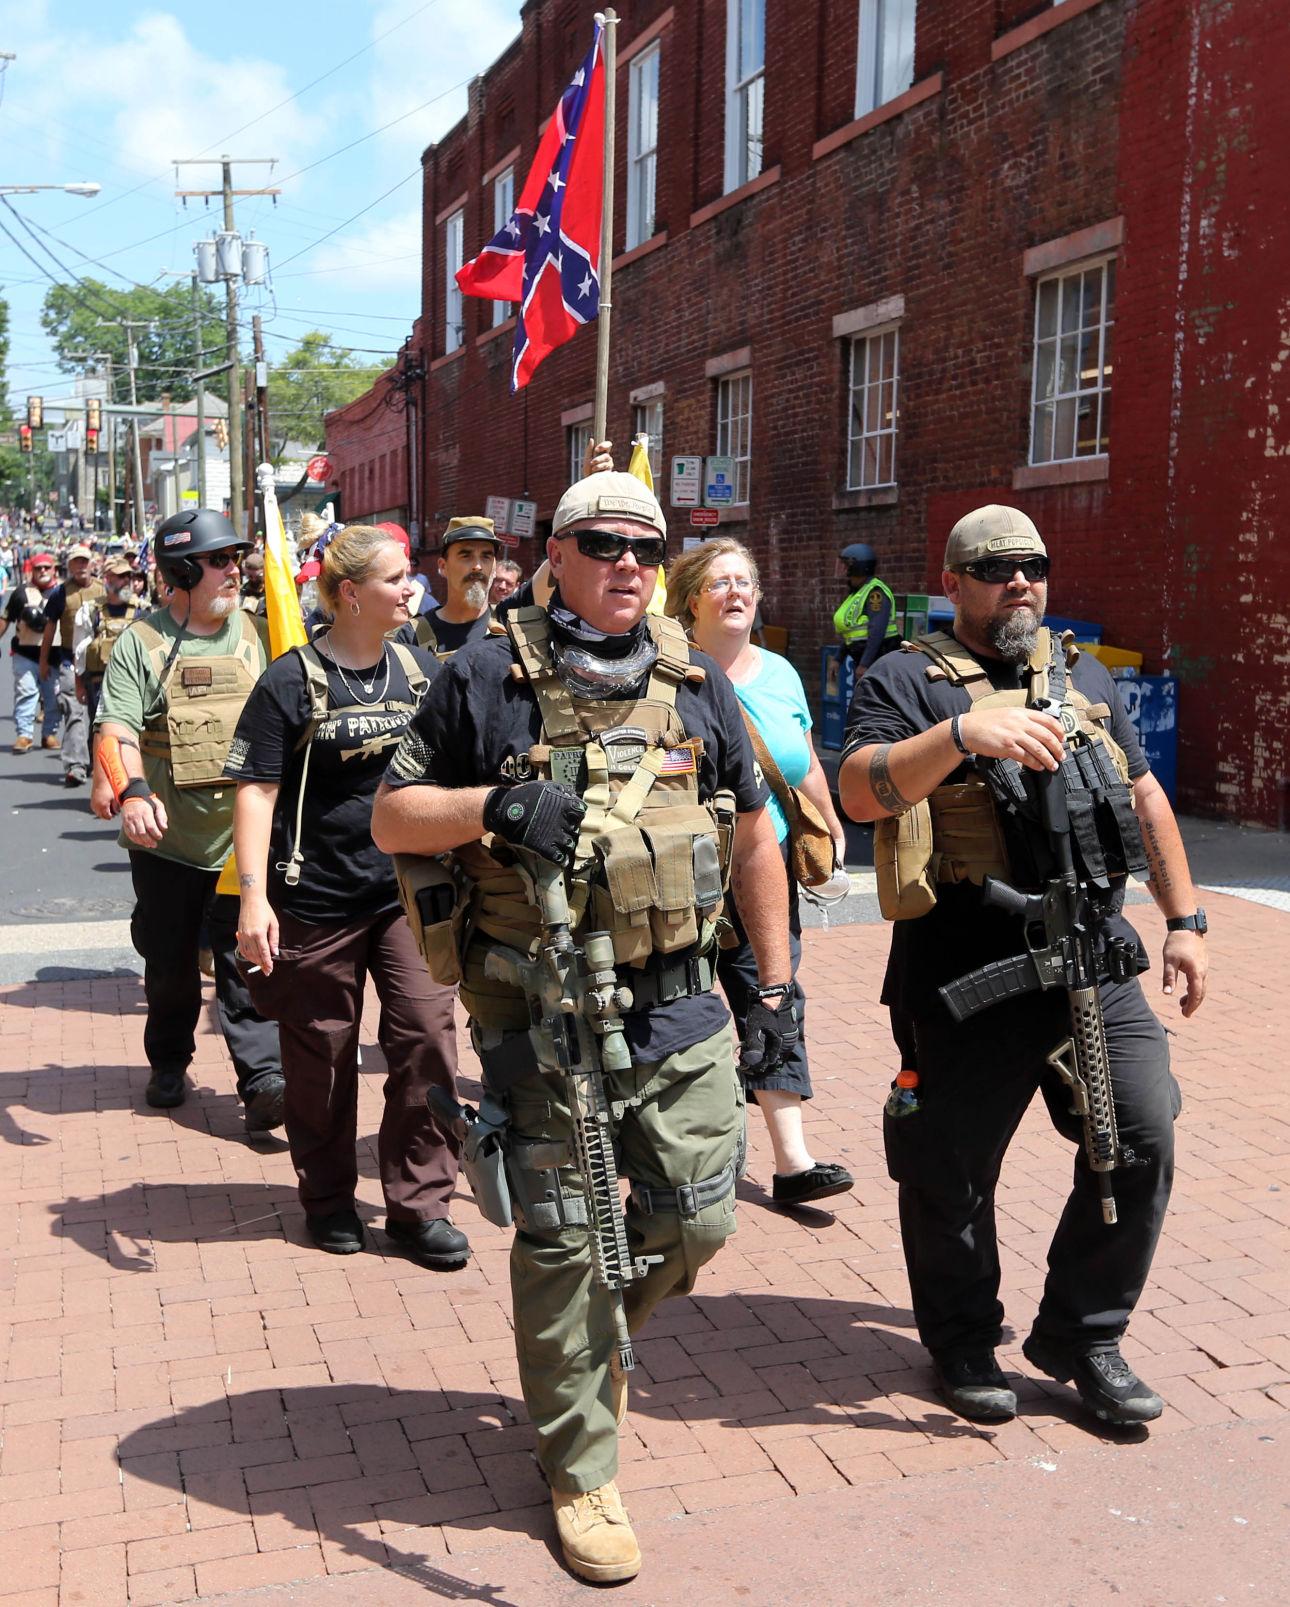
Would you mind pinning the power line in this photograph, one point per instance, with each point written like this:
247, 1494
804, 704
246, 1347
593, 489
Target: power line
384, 196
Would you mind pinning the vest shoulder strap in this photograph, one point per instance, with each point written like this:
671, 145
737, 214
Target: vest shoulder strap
424, 632
529, 630
674, 665
315, 684
953, 662
417, 678
154, 644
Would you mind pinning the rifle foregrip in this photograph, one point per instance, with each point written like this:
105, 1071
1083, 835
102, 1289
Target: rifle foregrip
1006, 898
991, 984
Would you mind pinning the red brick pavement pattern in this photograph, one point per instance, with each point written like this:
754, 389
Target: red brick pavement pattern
196, 1402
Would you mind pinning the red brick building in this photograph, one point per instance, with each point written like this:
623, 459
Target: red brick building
900, 257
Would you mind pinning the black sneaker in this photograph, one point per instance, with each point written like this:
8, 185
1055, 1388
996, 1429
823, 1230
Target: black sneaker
339, 1232
1107, 1385
166, 1089
264, 1101
817, 1182
974, 1387
74, 776
435, 1244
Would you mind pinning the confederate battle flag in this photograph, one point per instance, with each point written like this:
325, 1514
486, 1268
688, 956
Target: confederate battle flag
548, 256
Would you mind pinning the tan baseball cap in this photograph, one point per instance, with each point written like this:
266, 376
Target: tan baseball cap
80, 551
118, 566
469, 528
612, 495
989, 532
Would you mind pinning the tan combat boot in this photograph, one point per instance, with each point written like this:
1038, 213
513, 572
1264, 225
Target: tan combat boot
596, 1534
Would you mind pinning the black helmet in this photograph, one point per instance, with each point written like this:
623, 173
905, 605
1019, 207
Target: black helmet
184, 537
859, 555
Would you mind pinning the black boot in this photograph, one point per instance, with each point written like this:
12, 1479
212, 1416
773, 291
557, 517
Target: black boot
167, 1087
339, 1232
1107, 1385
435, 1244
974, 1387
264, 1101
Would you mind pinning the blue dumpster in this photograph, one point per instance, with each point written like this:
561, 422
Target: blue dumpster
1151, 702
837, 679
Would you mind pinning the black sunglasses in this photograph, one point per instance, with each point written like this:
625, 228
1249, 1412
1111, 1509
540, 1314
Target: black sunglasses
608, 546
999, 571
222, 560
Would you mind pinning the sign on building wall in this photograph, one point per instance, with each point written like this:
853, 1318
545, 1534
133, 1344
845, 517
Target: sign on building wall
687, 482
523, 518
718, 482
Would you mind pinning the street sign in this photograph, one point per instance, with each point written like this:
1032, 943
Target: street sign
188, 496
718, 482
319, 468
523, 518
498, 509
687, 482
705, 516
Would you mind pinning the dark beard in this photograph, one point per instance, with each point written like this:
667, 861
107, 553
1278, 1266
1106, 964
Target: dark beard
1014, 637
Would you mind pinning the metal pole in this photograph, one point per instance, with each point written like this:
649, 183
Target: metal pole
235, 372
201, 394
261, 408
110, 421
137, 460
610, 47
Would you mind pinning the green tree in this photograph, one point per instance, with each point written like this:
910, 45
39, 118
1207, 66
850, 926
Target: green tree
317, 376
83, 319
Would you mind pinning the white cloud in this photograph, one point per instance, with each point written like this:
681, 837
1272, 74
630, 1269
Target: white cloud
384, 258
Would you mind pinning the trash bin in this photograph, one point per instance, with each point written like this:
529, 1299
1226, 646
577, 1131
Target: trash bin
837, 679
1151, 702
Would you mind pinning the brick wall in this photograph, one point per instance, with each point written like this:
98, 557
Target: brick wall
1027, 123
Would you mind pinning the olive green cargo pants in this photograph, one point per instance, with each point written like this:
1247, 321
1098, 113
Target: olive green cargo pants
684, 1124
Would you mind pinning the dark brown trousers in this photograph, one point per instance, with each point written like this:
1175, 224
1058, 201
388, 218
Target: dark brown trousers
316, 996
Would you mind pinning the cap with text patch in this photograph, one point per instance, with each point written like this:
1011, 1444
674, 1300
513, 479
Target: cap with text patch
992, 532
609, 495
468, 529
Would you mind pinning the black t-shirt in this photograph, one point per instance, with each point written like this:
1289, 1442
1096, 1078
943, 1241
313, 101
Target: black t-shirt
51, 605
453, 635
476, 716
895, 700
345, 876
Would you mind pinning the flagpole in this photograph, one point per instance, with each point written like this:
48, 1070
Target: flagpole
610, 20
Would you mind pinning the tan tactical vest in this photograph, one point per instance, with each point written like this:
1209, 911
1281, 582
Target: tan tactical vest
92, 591
428, 638
107, 628
954, 835
202, 700
652, 859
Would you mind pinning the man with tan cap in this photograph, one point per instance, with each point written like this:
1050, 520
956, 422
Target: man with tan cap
945, 749
467, 559
79, 588
593, 737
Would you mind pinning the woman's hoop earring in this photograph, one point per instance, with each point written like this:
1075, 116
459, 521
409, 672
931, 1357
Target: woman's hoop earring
355, 610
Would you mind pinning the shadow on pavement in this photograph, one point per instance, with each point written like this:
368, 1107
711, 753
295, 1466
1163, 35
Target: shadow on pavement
75, 984
337, 1461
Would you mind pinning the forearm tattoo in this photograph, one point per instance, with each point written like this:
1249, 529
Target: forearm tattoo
247, 879
884, 789
1160, 879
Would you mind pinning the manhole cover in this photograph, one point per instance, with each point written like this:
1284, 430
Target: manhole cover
74, 909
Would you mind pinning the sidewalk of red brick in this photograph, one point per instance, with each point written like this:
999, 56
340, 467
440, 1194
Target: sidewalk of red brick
196, 1403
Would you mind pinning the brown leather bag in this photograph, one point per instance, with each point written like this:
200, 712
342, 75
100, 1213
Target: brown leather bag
810, 842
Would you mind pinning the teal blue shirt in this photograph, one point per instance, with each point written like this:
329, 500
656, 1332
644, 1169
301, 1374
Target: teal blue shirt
775, 702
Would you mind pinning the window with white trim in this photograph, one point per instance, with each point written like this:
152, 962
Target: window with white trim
579, 440
647, 419
503, 206
745, 89
734, 428
454, 243
885, 57
642, 144
1070, 406
874, 412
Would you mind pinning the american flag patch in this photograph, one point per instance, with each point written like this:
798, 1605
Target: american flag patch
678, 762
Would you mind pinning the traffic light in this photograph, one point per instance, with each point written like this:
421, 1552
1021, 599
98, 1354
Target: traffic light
35, 412
24, 437
91, 438
221, 434
94, 414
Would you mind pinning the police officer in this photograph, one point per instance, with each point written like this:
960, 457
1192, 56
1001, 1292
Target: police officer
866, 619
925, 728
173, 689
468, 554
590, 734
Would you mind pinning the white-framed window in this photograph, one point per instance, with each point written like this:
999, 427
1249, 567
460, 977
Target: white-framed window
642, 144
734, 428
647, 419
454, 245
745, 89
874, 412
503, 206
1070, 405
579, 440
885, 57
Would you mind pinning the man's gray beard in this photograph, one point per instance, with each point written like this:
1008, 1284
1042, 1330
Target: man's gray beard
222, 607
1014, 638
476, 593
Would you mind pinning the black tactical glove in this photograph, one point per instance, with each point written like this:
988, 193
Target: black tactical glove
542, 816
769, 1035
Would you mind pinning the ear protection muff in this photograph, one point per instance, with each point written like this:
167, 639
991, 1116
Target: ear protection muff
182, 573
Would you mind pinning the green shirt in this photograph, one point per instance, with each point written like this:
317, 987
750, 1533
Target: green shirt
200, 832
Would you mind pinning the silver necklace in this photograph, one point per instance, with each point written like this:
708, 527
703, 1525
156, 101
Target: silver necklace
367, 686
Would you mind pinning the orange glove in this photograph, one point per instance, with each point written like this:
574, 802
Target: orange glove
108, 759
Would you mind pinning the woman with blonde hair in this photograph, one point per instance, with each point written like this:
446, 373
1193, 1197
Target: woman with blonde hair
713, 590
320, 908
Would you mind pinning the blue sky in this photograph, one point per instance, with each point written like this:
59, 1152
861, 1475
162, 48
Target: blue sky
114, 92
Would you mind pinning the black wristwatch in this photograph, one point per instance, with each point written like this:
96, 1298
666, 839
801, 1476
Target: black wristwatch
1188, 923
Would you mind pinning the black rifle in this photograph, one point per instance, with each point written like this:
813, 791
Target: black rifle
1060, 930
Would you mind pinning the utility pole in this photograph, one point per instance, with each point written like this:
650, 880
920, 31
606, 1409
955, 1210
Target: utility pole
201, 394
136, 466
227, 192
261, 399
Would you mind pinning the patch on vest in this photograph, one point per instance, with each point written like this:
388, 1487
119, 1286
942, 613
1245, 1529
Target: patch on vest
624, 747
569, 765
679, 761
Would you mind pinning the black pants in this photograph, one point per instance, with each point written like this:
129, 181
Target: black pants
173, 901
976, 1081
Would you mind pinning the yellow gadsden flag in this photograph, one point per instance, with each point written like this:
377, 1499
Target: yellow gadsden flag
281, 609
639, 466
